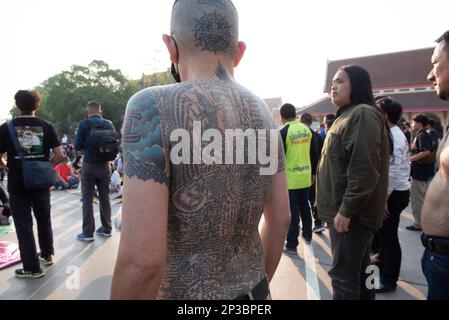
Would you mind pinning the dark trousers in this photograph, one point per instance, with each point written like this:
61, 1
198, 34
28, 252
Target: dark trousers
95, 174
435, 267
390, 254
350, 253
299, 205
21, 205
316, 220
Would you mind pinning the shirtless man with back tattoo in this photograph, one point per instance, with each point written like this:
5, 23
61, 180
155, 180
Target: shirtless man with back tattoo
190, 227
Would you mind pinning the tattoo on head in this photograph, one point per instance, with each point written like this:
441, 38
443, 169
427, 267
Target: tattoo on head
214, 3
213, 33
142, 141
221, 72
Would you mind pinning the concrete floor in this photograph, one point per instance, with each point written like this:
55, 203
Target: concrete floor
84, 271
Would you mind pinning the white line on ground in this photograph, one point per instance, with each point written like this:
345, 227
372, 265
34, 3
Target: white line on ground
312, 284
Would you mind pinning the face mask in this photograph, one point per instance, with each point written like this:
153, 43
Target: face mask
174, 71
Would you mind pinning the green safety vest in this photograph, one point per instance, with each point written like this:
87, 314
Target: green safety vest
297, 156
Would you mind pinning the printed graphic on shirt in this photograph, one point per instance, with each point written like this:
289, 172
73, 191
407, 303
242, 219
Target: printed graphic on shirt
31, 140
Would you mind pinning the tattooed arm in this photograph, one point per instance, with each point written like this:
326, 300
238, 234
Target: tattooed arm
143, 244
276, 223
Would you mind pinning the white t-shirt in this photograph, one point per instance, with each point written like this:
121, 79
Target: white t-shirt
399, 174
115, 180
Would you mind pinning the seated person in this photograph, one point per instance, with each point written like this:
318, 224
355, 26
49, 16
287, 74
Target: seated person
5, 212
115, 185
77, 164
65, 177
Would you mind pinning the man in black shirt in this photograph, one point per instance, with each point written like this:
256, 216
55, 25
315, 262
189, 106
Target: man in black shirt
36, 137
307, 119
422, 167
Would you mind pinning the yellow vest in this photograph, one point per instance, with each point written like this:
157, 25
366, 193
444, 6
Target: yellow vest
297, 156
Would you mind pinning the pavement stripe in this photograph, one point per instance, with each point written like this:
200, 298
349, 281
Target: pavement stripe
312, 284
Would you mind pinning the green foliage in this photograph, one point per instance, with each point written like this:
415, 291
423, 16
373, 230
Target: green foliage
14, 112
65, 95
155, 79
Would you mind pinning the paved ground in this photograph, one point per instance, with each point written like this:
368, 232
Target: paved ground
84, 271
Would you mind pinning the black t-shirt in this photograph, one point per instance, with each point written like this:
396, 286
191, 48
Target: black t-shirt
434, 136
423, 142
36, 138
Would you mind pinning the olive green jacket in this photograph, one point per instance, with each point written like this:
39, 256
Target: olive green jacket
352, 176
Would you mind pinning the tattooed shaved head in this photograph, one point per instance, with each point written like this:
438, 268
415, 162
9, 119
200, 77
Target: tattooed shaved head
205, 26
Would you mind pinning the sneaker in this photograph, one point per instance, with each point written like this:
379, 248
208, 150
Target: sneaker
413, 228
83, 237
102, 232
290, 250
23, 274
46, 260
319, 228
308, 242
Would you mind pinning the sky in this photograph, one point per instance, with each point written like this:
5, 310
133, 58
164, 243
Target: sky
288, 41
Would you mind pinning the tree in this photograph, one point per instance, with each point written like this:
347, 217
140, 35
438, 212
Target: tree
65, 95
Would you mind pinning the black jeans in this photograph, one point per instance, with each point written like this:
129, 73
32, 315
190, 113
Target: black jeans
350, 254
21, 205
96, 174
390, 254
299, 204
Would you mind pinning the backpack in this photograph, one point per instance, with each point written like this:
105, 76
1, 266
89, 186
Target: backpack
104, 141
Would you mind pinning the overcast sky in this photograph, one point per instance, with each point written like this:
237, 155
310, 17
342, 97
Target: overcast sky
288, 41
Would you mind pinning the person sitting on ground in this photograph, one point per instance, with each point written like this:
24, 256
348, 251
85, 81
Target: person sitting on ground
77, 164
4, 208
65, 177
115, 185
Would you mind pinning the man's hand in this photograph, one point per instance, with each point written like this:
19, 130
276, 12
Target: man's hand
313, 180
341, 224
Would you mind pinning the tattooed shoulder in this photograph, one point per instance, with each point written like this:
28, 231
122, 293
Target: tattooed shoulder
143, 147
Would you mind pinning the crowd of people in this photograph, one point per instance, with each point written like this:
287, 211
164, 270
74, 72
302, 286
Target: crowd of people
38, 140
191, 230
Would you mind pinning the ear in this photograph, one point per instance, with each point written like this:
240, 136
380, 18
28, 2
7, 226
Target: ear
241, 48
171, 47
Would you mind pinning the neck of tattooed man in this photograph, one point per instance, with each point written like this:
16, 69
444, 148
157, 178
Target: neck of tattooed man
216, 70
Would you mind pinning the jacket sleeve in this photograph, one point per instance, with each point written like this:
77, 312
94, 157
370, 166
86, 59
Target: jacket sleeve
79, 139
362, 142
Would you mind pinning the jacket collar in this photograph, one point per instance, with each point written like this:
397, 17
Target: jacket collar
341, 110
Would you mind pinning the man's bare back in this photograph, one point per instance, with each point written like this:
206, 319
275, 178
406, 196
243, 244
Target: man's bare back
213, 244
435, 212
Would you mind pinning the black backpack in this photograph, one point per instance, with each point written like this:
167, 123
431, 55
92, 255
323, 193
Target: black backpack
104, 140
